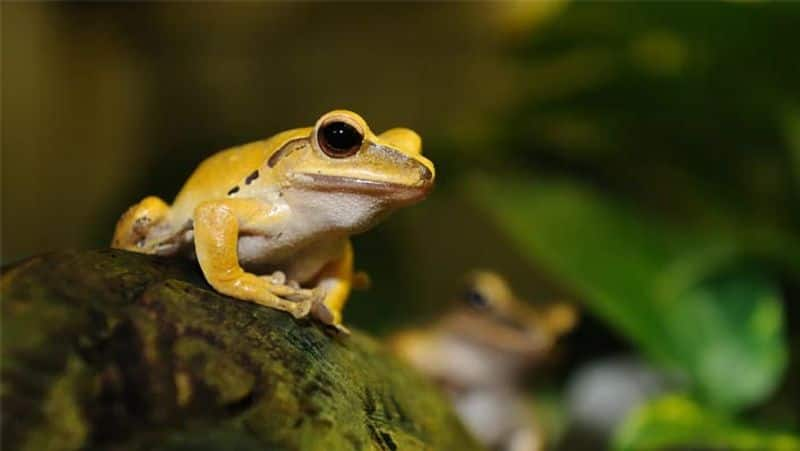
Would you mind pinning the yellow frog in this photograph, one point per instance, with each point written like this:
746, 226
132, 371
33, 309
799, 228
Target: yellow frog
479, 351
269, 222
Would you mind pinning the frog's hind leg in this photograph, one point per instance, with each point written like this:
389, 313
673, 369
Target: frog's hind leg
336, 280
135, 224
216, 235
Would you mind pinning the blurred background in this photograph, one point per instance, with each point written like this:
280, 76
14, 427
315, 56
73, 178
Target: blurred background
640, 160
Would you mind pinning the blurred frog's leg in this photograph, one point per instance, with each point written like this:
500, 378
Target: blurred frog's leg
335, 281
216, 236
559, 318
133, 226
361, 281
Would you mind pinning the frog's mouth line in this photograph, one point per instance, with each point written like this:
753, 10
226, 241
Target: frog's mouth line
348, 185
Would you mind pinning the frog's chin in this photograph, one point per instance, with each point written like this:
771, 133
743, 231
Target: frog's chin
386, 191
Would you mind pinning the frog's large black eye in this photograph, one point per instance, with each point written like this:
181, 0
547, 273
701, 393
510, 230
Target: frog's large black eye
338, 139
476, 300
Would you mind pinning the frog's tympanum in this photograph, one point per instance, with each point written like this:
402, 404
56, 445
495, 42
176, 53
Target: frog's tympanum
478, 353
269, 222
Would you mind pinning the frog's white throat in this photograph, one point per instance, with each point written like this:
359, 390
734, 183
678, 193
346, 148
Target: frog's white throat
335, 212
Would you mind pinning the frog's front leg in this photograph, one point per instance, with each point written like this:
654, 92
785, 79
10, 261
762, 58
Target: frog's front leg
216, 234
335, 281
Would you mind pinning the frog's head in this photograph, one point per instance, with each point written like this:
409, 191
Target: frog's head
490, 315
342, 162
340, 154
490, 337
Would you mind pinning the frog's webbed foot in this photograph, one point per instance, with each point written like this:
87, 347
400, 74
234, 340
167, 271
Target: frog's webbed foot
263, 291
216, 227
322, 313
287, 296
278, 278
290, 290
283, 287
302, 309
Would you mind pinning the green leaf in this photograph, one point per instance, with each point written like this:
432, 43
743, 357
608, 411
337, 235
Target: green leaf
693, 302
792, 132
676, 422
739, 329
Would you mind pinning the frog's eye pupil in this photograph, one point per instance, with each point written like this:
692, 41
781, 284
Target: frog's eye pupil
476, 300
339, 139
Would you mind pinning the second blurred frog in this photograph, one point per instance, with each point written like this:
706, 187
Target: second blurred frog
478, 353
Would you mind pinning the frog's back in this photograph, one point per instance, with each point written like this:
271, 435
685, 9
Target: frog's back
218, 174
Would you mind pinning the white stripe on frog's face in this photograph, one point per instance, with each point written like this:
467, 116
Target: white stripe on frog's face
386, 191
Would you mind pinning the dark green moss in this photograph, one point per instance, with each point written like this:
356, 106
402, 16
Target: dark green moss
113, 350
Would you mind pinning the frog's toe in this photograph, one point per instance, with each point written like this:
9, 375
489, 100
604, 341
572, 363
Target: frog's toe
290, 293
340, 329
302, 309
278, 278
328, 317
321, 312
298, 295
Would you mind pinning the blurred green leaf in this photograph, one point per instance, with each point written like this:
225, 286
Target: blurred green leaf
637, 97
792, 131
691, 301
676, 422
730, 324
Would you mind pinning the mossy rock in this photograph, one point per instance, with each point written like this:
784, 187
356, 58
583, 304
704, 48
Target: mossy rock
118, 351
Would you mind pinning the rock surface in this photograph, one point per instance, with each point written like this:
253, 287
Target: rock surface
109, 350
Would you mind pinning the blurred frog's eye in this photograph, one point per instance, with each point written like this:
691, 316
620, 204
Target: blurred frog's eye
339, 139
476, 300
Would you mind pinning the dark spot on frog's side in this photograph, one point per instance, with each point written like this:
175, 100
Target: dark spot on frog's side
251, 177
233, 190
